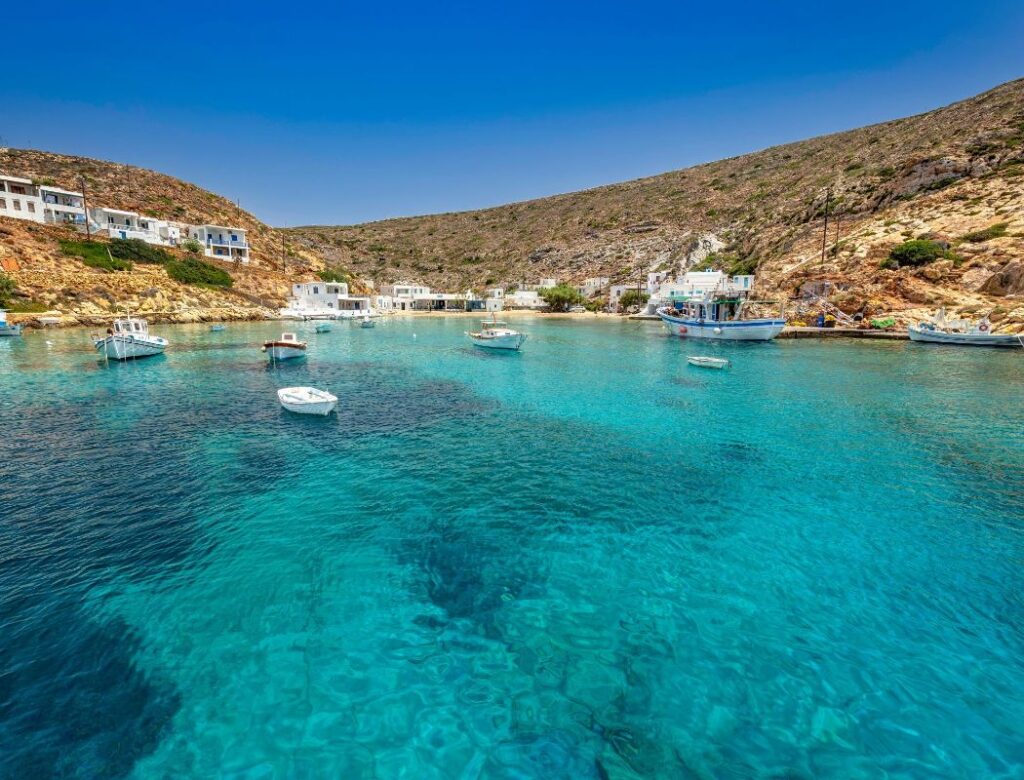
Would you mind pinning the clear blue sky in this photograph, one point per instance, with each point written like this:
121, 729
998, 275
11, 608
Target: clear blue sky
338, 113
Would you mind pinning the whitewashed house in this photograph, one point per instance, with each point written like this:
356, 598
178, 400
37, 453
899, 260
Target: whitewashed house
123, 224
62, 207
325, 300
19, 198
593, 286
222, 242
524, 299
401, 296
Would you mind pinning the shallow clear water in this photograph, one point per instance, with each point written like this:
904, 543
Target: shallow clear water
586, 560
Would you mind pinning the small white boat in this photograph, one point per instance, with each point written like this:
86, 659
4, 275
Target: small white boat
939, 330
366, 323
494, 334
129, 338
6, 329
216, 328
48, 322
285, 348
707, 362
307, 400
323, 327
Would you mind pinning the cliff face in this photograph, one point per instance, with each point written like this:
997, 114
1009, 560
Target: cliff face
950, 172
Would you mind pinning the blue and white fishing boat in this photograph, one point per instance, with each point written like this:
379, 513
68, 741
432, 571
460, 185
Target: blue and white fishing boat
939, 330
6, 329
717, 313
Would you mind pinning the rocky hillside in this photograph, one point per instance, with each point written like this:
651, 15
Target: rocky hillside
49, 280
949, 173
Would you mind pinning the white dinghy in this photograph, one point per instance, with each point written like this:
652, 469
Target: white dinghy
307, 400
707, 362
939, 330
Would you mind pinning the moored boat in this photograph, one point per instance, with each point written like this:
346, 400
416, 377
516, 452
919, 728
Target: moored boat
939, 330
307, 400
703, 361
216, 328
494, 334
323, 327
285, 348
127, 339
716, 311
366, 323
6, 329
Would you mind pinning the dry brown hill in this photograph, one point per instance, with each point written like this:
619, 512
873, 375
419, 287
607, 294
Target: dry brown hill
952, 171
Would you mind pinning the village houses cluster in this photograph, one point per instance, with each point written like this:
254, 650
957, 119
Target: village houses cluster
24, 199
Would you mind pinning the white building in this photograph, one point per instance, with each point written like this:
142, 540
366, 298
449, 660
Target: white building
325, 300
19, 198
496, 292
222, 242
62, 207
592, 286
494, 304
615, 293
123, 224
524, 299
400, 296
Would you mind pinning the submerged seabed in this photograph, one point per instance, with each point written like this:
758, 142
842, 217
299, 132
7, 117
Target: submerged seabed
586, 560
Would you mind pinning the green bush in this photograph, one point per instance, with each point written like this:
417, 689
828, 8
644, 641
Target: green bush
95, 255
997, 230
138, 250
7, 288
333, 275
916, 252
193, 271
633, 298
192, 246
560, 298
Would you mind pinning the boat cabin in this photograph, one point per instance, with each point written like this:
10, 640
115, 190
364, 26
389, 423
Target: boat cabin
719, 310
289, 337
131, 326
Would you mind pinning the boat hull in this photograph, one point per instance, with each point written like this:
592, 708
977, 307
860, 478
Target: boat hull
307, 401
743, 330
964, 339
126, 347
510, 342
277, 352
10, 330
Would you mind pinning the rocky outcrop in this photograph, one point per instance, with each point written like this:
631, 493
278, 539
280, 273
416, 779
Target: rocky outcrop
1008, 280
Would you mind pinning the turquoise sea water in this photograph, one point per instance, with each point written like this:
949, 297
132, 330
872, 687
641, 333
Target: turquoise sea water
587, 560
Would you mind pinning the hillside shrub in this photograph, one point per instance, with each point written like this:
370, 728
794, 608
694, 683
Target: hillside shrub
997, 230
192, 246
138, 250
333, 275
193, 271
95, 255
917, 252
7, 288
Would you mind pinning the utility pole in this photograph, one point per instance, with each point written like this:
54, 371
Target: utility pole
824, 232
85, 208
128, 171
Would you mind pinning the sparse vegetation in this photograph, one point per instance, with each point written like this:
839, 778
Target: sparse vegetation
917, 252
138, 250
194, 271
191, 246
997, 230
333, 275
95, 255
7, 288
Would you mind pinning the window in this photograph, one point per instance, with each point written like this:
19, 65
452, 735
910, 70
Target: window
3, 203
17, 205
31, 207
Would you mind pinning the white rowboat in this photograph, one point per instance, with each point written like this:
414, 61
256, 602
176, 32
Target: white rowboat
307, 400
707, 362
